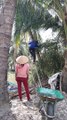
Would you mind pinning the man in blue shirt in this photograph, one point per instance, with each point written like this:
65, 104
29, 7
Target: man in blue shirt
33, 44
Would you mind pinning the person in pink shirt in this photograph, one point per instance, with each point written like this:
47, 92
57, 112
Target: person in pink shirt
22, 74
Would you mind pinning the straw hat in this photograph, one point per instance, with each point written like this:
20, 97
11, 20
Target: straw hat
22, 59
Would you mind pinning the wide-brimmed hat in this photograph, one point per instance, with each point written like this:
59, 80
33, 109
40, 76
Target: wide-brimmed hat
22, 59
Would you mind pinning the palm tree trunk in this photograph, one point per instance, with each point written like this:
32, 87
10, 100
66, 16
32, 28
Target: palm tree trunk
5, 37
64, 81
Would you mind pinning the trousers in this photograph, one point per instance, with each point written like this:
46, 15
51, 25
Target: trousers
21, 80
33, 53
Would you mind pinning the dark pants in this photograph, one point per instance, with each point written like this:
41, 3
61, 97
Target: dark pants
21, 80
33, 54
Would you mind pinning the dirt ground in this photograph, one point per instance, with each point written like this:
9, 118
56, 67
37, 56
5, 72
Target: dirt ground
24, 110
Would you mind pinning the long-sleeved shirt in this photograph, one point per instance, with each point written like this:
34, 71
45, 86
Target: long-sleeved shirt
33, 44
22, 71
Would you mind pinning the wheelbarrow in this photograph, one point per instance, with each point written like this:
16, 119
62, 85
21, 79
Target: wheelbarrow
49, 98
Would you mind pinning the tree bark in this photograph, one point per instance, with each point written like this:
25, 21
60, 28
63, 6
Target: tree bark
5, 37
64, 73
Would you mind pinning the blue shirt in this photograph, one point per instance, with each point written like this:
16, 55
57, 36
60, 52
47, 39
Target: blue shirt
33, 44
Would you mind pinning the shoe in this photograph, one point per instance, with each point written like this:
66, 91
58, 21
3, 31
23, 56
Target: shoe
21, 99
30, 100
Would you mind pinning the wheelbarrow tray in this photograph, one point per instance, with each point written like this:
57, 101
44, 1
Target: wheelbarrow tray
50, 93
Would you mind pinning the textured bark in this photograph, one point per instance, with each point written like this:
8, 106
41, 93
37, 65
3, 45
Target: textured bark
64, 73
64, 81
5, 37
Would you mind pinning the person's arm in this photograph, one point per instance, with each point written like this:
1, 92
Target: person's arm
28, 68
16, 70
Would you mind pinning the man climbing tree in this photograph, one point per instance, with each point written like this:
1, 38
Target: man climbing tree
33, 45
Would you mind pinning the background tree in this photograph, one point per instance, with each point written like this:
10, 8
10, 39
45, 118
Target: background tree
31, 15
60, 7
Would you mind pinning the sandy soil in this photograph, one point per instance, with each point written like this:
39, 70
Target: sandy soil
24, 110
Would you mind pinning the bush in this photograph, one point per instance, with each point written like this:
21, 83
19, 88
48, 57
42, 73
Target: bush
51, 60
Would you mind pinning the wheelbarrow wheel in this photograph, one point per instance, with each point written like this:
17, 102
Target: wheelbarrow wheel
50, 110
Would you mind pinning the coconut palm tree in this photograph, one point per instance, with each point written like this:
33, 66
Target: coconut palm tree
60, 7
8, 14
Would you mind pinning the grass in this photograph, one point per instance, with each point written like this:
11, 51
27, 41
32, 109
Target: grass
11, 77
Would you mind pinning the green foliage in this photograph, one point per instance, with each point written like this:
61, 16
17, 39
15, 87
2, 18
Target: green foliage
51, 22
32, 15
28, 16
51, 60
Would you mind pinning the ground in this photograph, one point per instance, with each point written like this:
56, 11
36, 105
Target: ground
24, 110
